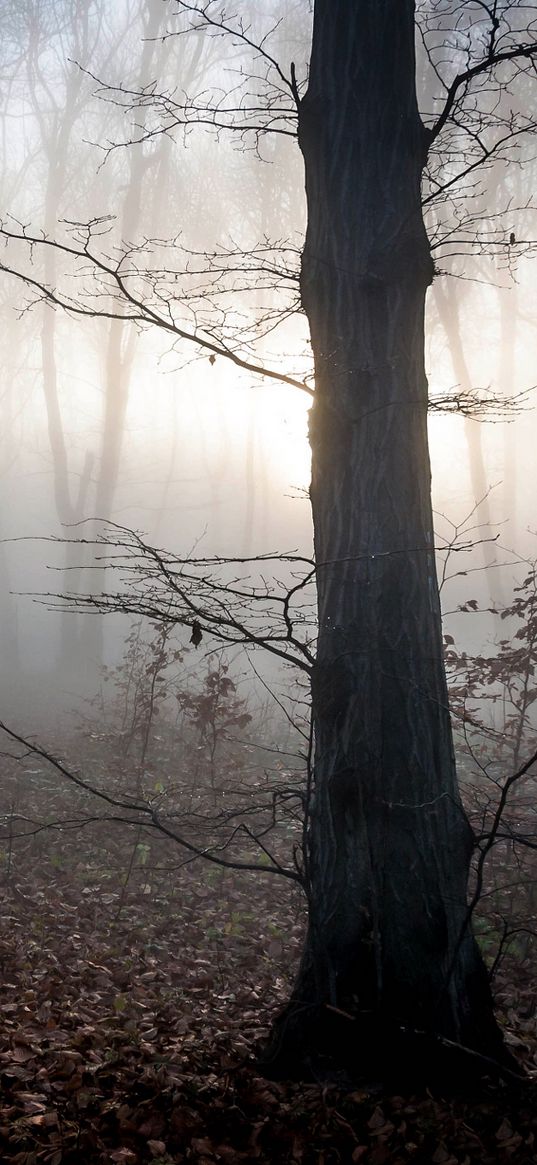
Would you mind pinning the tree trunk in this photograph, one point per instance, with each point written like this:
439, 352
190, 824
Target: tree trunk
447, 306
389, 845
70, 503
120, 349
508, 303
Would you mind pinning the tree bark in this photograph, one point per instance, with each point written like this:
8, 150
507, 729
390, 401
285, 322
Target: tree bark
389, 845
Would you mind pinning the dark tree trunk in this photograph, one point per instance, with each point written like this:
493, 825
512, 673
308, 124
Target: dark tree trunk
389, 845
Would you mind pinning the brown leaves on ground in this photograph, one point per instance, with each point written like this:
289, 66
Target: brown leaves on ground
132, 1039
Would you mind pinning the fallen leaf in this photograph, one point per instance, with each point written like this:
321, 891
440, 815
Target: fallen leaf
504, 1132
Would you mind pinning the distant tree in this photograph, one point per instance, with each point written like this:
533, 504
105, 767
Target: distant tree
390, 967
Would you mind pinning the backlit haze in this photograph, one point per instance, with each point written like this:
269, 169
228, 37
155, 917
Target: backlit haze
206, 458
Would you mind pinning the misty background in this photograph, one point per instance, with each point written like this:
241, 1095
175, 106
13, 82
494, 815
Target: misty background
106, 420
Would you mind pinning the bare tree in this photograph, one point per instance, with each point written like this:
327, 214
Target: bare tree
389, 849
390, 965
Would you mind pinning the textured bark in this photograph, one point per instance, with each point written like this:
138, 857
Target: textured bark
389, 844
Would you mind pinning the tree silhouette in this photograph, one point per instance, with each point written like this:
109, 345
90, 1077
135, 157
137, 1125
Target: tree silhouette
390, 969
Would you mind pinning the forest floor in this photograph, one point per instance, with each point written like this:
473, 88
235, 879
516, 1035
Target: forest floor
130, 1019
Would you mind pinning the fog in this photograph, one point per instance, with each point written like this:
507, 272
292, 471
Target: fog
171, 822
129, 423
